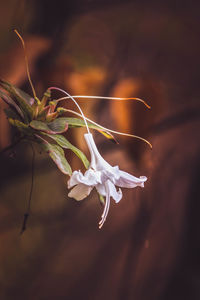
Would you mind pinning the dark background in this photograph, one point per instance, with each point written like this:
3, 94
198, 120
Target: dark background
149, 245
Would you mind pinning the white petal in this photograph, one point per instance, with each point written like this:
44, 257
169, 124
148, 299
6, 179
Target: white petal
88, 137
90, 178
129, 181
116, 195
97, 161
94, 177
101, 189
107, 206
80, 191
111, 174
74, 179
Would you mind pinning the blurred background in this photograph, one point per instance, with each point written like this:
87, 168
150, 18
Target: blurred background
149, 246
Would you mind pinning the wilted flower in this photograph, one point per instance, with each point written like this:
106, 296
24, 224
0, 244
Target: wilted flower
103, 177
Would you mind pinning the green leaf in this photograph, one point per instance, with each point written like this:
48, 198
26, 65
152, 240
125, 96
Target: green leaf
64, 143
29, 99
58, 156
15, 95
54, 127
11, 114
6, 98
24, 128
76, 122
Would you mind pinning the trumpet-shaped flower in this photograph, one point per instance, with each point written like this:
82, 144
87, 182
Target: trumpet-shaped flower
103, 177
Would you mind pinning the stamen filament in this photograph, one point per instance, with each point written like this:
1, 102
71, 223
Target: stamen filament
71, 97
26, 62
110, 130
106, 208
106, 98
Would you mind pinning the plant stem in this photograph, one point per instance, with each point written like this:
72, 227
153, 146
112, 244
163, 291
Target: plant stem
27, 213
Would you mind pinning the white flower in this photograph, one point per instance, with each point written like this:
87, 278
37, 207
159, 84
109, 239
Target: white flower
103, 177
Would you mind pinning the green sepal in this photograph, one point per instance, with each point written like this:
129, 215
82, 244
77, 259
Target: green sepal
42, 114
46, 96
54, 127
64, 143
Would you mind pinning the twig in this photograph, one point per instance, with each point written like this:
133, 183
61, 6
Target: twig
27, 213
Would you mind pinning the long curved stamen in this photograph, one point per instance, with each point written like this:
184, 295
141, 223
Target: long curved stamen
26, 62
107, 98
110, 130
70, 97
106, 208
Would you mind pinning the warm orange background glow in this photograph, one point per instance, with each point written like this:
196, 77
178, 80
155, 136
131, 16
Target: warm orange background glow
149, 245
